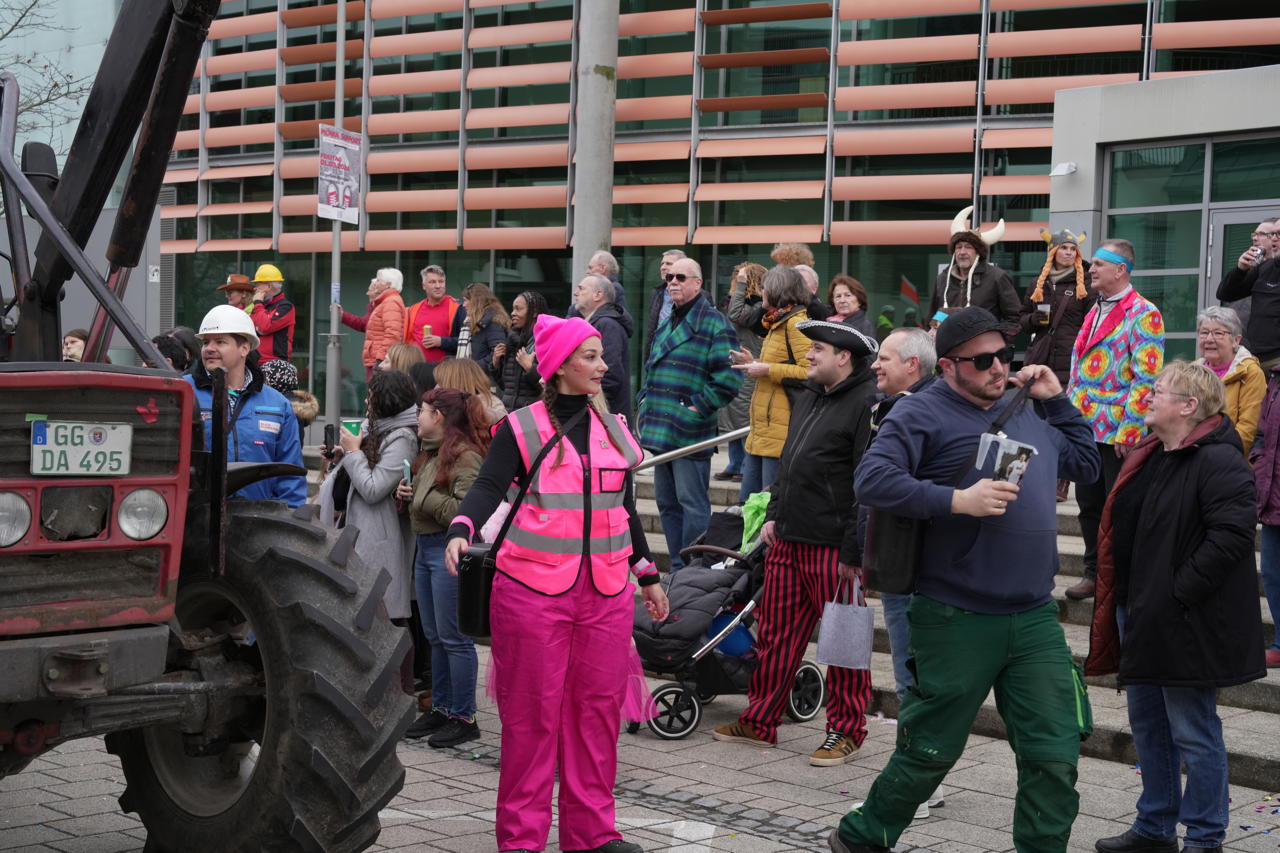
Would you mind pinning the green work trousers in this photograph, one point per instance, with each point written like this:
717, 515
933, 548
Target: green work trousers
959, 656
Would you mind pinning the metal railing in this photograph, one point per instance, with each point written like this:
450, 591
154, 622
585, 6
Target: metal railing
672, 455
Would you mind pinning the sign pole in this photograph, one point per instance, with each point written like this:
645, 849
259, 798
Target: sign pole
333, 350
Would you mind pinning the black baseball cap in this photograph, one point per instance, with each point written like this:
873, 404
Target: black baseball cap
965, 325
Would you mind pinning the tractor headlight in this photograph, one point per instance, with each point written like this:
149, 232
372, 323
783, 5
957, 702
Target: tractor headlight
142, 514
15, 518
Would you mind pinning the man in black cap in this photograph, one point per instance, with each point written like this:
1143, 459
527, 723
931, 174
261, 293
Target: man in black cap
983, 614
812, 530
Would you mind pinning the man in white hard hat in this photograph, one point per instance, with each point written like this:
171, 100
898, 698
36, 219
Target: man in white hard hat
261, 426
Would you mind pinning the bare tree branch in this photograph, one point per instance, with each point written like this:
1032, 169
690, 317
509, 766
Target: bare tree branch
50, 97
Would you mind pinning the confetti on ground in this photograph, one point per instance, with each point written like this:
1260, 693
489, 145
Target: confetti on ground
1246, 826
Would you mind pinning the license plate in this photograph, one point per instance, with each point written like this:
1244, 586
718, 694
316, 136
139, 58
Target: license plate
77, 449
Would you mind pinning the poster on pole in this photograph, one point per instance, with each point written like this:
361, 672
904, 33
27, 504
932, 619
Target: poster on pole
338, 186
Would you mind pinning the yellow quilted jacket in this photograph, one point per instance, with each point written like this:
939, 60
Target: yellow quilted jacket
770, 411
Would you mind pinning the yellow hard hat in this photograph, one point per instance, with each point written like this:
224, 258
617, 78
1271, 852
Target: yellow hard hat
267, 273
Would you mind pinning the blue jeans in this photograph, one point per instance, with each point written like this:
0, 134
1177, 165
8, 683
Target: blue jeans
895, 619
684, 508
758, 472
737, 452
1270, 565
453, 654
1172, 725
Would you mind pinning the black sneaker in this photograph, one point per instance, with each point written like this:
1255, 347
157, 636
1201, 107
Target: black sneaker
429, 722
454, 732
617, 845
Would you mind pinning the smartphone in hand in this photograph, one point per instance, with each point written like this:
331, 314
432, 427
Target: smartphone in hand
330, 436
408, 475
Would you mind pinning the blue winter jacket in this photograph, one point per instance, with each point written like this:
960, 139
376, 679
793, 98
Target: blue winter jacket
266, 430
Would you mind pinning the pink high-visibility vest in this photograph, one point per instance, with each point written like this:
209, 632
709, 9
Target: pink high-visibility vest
543, 548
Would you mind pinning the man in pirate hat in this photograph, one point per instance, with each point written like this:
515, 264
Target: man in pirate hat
812, 529
970, 278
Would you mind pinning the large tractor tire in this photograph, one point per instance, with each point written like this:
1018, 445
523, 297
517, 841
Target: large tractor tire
307, 765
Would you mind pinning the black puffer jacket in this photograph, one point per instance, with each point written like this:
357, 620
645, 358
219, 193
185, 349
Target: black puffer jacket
517, 387
1192, 615
1061, 296
615, 334
813, 500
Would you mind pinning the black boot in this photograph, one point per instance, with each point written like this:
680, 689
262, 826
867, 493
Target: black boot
1131, 842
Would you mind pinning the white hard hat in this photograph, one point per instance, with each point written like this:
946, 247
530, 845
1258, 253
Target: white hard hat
228, 320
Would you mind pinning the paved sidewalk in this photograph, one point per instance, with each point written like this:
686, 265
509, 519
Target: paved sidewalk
693, 795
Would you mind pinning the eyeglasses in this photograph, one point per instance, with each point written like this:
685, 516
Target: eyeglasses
1216, 334
986, 359
1270, 235
678, 276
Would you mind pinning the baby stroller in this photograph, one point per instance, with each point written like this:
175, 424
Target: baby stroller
708, 641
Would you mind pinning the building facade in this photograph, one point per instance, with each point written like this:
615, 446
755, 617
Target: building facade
849, 125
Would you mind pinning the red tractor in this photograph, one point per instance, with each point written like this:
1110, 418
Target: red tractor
236, 656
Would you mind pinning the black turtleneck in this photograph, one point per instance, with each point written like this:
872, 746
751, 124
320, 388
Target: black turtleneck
503, 465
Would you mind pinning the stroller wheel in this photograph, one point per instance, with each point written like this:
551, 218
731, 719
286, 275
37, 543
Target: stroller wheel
679, 712
808, 693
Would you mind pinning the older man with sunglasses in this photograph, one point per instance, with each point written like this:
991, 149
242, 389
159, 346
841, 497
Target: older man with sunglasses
1118, 352
983, 615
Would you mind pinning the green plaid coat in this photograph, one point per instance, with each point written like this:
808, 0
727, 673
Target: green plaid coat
688, 365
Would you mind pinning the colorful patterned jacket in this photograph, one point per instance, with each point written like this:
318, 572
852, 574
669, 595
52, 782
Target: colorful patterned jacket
1113, 372
688, 365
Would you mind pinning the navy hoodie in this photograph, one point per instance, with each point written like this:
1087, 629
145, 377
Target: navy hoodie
996, 564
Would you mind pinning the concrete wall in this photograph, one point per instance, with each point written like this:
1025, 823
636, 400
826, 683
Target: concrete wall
1086, 121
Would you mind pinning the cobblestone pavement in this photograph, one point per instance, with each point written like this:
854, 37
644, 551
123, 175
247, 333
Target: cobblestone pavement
693, 795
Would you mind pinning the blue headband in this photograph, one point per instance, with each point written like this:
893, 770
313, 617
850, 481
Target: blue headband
1115, 258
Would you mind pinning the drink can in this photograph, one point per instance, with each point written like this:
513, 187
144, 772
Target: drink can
426, 333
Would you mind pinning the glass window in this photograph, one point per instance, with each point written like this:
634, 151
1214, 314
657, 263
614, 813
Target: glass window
1161, 241
1177, 297
1245, 170
1147, 177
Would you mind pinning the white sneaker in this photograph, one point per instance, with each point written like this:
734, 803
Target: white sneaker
922, 810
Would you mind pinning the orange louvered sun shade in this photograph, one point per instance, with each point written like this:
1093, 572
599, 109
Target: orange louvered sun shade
1184, 34
1030, 5
541, 32
397, 8
416, 82
519, 75
942, 140
514, 238
234, 208
310, 128
234, 99
1022, 231
517, 156
656, 23
1018, 137
298, 205
926, 49
757, 234
632, 152
181, 176
773, 147
225, 173
242, 25
247, 134
797, 101
306, 54
185, 140
437, 41
394, 201
237, 244
238, 63
512, 198
761, 14
865, 10
315, 16
654, 108
177, 247
917, 232
1066, 41
321, 90
654, 235
762, 190
651, 194
883, 187
419, 121
408, 162
317, 241
761, 58
177, 211
1037, 90
412, 239
907, 96
525, 115
1015, 185
644, 66
301, 167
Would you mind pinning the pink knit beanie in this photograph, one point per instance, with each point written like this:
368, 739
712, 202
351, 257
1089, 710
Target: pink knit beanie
555, 339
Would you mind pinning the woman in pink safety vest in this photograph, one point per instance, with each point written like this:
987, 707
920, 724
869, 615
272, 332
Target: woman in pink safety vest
563, 669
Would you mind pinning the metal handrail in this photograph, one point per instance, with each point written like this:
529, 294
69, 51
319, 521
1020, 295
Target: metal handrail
672, 455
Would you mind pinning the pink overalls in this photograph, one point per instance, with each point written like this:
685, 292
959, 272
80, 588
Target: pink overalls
561, 648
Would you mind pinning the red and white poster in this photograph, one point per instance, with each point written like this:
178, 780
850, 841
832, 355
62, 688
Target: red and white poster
338, 187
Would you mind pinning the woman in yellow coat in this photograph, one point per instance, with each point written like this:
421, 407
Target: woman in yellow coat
782, 356
1218, 336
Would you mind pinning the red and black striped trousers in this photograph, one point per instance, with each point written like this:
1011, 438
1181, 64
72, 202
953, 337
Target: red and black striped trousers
798, 580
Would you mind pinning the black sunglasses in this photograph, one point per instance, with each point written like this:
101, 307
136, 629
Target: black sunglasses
984, 361
678, 276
